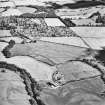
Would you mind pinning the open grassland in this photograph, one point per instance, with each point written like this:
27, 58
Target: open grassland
56, 52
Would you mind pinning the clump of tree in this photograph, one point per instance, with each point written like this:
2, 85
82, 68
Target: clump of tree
100, 19
68, 22
7, 23
31, 85
101, 56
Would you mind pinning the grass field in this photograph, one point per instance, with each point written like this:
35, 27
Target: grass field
55, 52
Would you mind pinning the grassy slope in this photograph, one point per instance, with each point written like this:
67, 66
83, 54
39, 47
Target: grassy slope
55, 52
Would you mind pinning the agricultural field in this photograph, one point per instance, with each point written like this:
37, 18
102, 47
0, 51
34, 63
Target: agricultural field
53, 70
71, 13
49, 54
35, 27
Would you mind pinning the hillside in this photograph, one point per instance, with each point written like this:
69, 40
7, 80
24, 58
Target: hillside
74, 13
